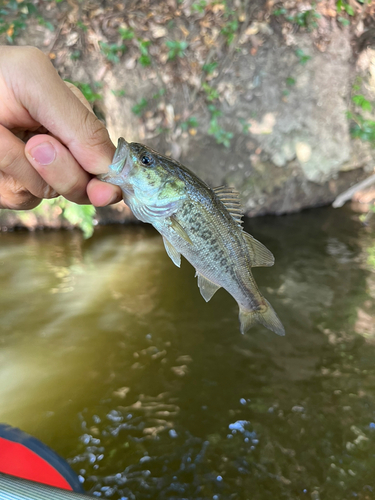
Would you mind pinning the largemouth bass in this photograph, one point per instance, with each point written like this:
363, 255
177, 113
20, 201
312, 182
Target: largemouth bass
202, 224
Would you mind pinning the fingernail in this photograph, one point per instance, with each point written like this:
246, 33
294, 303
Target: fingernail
43, 153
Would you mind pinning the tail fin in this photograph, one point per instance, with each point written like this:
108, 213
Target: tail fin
266, 316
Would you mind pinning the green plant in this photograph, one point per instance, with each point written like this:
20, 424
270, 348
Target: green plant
118, 93
343, 21
341, 5
290, 81
302, 57
229, 29
191, 122
126, 33
245, 125
305, 19
140, 106
176, 48
280, 12
112, 51
210, 67
81, 216
199, 6
211, 92
75, 55
362, 128
221, 135
46, 24
81, 26
13, 17
87, 91
361, 101
159, 94
144, 59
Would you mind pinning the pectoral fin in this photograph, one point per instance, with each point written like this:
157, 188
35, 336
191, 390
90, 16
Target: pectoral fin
176, 226
172, 252
206, 287
260, 256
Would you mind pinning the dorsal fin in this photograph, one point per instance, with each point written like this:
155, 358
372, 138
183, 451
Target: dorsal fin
231, 200
260, 256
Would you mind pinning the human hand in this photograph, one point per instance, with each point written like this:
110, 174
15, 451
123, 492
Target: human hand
65, 142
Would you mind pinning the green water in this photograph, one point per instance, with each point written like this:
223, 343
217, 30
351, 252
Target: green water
109, 355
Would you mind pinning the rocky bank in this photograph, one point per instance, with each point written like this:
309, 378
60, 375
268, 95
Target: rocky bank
269, 116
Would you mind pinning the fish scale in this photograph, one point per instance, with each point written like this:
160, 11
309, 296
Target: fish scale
200, 223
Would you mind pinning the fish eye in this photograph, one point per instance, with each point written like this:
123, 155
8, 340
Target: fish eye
146, 160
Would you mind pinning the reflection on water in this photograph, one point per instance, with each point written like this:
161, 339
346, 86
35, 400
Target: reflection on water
109, 354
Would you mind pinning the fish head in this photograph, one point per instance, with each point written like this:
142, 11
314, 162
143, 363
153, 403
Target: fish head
144, 174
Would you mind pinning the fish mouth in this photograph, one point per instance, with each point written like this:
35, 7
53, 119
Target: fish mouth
119, 162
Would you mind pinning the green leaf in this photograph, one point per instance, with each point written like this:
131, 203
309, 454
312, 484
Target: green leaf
290, 81
279, 12
81, 25
31, 8
343, 21
75, 55
139, 108
118, 93
176, 48
210, 67
126, 33
199, 6
303, 58
80, 216
349, 9
361, 101
211, 93
191, 122
245, 125
159, 94
87, 91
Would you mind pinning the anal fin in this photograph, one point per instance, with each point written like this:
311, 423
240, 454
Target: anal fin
172, 252
260, 256
206, 287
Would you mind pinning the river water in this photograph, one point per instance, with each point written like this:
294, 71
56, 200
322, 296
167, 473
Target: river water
109, 354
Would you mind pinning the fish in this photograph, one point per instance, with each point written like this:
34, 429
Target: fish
202, 224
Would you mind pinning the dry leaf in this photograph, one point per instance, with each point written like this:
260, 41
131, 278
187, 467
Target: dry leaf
218, 7
184, 31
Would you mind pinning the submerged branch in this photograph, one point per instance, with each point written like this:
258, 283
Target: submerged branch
349, 193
